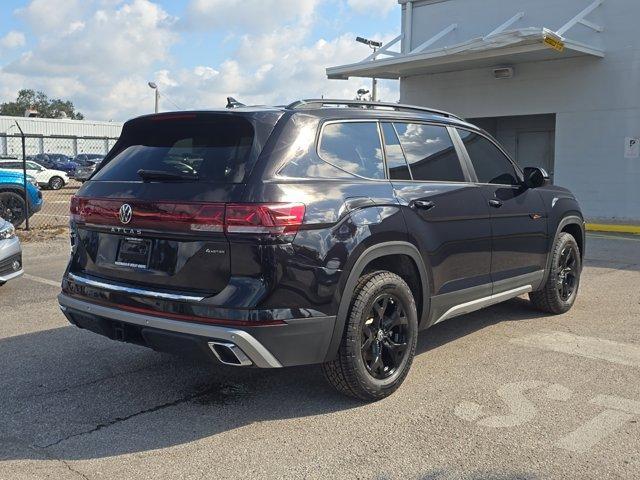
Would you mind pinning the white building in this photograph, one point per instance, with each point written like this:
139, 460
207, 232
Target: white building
570, 101
47, 135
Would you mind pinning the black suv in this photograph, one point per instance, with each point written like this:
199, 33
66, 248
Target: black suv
324, 232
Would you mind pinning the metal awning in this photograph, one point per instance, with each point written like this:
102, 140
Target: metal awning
499, 47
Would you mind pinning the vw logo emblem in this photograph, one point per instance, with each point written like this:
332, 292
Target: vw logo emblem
125, 214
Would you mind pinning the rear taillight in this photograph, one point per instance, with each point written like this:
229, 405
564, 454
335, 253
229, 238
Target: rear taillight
278, 219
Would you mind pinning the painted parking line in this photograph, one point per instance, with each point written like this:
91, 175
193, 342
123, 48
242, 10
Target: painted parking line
514, 395
44, 281
51, 215
619, 412
594, 431
53, 256
521, 409
587, 347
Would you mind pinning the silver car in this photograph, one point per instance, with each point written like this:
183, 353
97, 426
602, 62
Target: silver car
10, 253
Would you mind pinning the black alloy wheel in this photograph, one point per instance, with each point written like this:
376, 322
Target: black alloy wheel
385, 336
567, 273
379, 339
558, 293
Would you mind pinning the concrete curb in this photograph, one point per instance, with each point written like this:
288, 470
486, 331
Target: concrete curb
603, 227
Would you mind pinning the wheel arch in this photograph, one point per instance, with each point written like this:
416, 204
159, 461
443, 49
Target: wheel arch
13, 188
380, 256
572, 223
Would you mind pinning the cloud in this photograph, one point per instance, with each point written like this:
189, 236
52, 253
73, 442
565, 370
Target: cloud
52, 15
256, 15
273, 68
372, 7
102, 54
13, 39
132, 36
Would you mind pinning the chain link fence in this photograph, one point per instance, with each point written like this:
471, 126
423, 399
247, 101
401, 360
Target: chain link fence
58, 164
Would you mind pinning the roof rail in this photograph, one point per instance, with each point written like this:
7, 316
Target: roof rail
320, 102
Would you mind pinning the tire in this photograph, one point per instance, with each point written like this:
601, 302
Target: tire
559, 292
56, 183
357, 371
12, 208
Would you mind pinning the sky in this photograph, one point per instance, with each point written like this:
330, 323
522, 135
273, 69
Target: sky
100, 54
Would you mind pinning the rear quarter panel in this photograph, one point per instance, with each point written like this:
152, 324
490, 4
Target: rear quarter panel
312, 271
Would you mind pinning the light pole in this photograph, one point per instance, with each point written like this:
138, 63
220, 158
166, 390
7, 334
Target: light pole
154, 86
374, 46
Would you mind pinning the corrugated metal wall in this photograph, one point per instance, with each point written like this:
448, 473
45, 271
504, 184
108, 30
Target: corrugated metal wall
47, 126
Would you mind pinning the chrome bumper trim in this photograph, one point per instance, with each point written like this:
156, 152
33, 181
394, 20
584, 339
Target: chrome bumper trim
257, 352
11, 276
135, 291
241, 358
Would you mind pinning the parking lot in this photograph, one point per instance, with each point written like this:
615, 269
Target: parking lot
503, 393
55, 210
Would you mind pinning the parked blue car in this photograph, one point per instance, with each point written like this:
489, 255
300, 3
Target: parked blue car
12, 205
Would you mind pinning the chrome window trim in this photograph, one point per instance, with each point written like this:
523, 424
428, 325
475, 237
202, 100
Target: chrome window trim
404, 154
132, 290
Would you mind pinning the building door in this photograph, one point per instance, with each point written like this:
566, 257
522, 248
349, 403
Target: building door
535, 149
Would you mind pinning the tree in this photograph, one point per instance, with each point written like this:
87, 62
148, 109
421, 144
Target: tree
47, 108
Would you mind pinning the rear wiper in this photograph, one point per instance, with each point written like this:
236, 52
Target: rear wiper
150, 175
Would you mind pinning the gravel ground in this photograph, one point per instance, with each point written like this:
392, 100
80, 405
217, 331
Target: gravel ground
503, 393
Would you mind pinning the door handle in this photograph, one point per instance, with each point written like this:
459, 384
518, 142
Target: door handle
495, 203
423, 204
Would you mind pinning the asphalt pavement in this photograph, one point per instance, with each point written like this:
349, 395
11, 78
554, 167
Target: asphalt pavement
503, 393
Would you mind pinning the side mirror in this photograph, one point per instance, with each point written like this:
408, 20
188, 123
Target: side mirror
535, 177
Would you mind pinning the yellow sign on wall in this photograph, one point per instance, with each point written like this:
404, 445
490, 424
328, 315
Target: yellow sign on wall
554, 43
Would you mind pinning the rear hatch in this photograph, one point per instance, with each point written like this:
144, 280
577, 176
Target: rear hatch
153, 213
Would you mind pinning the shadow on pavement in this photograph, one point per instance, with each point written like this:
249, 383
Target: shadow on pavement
74, 395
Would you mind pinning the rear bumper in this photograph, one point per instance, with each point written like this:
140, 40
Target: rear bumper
298, 342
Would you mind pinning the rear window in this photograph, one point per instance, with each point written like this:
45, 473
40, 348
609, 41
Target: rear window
216, 149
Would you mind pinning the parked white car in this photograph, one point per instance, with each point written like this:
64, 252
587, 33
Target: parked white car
53, 179
10, 253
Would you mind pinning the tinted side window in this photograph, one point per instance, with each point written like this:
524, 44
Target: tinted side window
354, 147
430, 152
490, 164
396, 163
312, 167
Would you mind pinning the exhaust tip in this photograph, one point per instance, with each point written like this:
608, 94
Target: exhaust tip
229, 354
